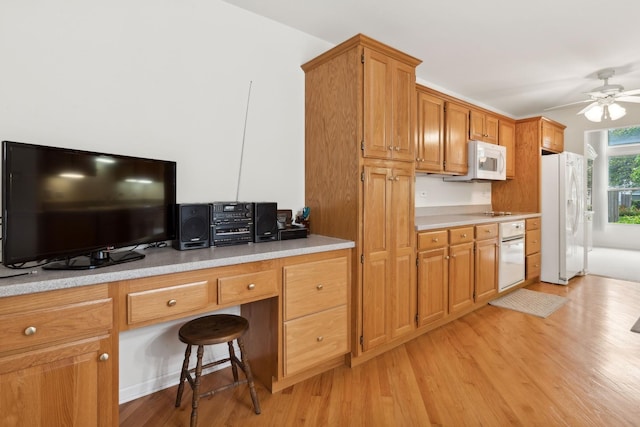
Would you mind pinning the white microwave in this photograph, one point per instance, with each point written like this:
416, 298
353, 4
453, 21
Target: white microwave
486, 162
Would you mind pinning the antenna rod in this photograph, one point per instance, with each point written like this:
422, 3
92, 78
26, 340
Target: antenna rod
244, 133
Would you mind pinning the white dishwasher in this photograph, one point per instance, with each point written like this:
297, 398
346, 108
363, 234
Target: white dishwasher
512, 258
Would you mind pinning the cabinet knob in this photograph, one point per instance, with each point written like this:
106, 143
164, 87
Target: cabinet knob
31, 330
320, 338
464, 235
171, 303
390, 148
447, 257
434, 240
319, 287
397, 178
487, 231
397, 148
104, 357
251, 286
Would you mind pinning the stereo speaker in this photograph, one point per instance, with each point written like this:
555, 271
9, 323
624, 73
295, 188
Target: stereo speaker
193, 227
265, 222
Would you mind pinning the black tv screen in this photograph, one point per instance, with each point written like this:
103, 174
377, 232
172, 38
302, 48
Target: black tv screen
74, 206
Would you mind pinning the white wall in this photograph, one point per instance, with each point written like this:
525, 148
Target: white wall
579, 130
161, 79
432, 191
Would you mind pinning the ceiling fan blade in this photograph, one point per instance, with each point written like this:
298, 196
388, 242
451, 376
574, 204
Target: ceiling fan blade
630, 92
587, 107
567, 105
635, 99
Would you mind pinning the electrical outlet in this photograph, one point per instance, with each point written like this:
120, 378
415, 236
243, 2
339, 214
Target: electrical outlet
423, 194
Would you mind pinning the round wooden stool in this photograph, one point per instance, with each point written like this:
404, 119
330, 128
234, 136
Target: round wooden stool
209, 330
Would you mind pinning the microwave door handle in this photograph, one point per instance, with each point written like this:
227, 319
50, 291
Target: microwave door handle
503, 162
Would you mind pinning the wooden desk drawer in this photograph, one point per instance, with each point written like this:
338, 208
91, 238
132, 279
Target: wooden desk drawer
460, 235
432, 239
169, 301
532, 242
533, 266
486, 231
313, 339
314, 286
247, 287
55, 324
533, 223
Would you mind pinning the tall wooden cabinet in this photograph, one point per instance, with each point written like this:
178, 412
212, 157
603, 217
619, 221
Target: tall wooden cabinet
507, 138
360, 111
522, 193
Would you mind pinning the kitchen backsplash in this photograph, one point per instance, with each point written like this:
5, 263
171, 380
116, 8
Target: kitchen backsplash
432, 191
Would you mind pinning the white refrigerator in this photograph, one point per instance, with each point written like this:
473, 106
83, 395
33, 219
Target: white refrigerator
562, 208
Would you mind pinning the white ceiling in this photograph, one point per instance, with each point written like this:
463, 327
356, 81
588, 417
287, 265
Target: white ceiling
512, 56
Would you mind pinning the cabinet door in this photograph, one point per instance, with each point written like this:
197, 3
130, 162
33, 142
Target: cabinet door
378, 75
433, 279
430, 139
456, 132
491, 129
507, 138
486, 269
476, 125
403, 111
65, 385
403, 284
376, 252
461, 277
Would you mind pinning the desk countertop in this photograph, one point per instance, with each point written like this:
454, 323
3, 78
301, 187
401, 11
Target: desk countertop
165, 261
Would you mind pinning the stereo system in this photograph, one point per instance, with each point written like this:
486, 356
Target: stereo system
230, 223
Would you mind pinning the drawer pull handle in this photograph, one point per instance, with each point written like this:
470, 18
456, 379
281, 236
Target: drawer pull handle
434, 240
464, 235
31, 330
319, 287
251, 286
487, 231
171, 302
104, 357
320, 338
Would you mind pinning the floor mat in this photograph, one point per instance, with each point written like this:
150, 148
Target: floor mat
531, 302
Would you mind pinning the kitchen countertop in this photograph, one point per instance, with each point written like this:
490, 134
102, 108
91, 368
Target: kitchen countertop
432, 222
165, 261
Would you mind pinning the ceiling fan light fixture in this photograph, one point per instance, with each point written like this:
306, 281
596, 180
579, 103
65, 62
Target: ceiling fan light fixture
594, 113
616, 111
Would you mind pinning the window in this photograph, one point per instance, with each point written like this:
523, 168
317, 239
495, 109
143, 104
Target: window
623, 157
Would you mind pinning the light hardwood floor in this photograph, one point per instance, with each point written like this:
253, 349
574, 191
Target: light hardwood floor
494, 367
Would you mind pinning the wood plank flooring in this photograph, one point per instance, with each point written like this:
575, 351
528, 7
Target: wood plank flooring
494, 367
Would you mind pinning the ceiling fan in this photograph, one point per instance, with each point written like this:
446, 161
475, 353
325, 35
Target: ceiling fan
604, 99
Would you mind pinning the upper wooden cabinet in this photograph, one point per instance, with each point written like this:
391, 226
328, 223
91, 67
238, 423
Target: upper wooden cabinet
507, 138
430, 133
483, 126
442, 129
389, 107
552, 137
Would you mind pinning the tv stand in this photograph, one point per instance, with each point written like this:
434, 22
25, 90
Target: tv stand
95, 260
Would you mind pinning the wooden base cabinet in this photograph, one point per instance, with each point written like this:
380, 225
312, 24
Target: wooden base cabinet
461, 269
433, 277
57, 359
486, 262
532, 249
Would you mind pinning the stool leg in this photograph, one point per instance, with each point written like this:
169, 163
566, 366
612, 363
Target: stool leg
247, 371
183, 375
232, 358
196, 388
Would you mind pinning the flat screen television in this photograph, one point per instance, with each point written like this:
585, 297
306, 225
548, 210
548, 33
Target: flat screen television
70, 208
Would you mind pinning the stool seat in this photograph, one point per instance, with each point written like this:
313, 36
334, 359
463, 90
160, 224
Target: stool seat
214, 329
210, 330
